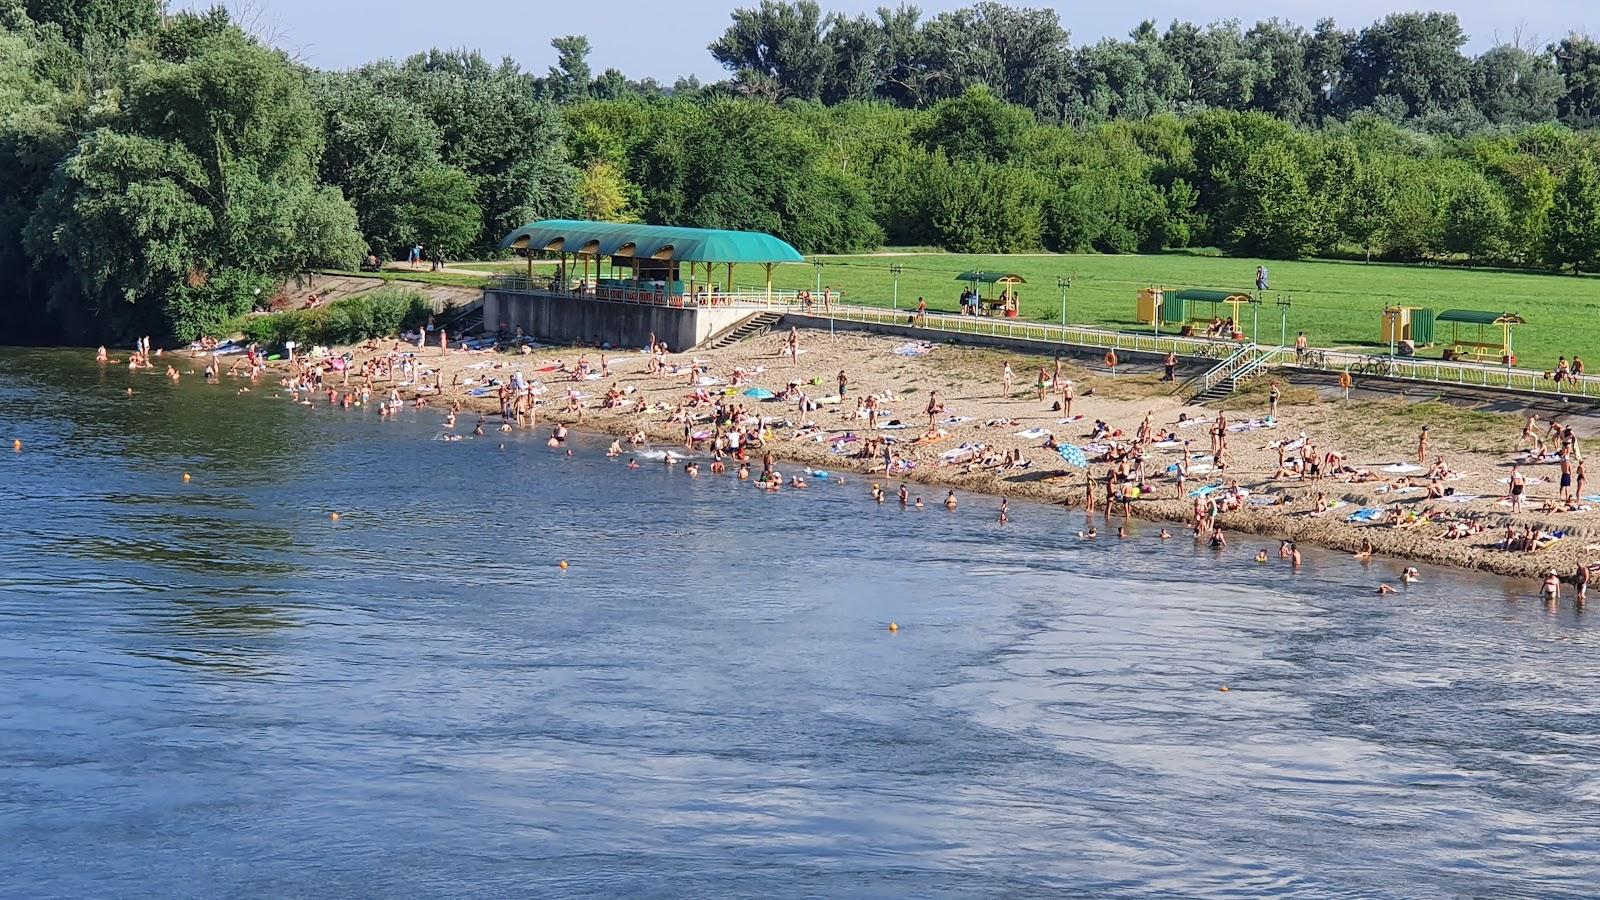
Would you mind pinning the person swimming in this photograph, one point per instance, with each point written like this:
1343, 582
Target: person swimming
918, 503
632, 463
1411, 575
1385, 589
1005, 510
950, 500
1166, 535
1261, 556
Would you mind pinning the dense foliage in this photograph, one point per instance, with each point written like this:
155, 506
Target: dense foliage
161, 173
379, 313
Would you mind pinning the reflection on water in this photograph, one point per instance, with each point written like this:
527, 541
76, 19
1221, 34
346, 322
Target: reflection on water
216, 684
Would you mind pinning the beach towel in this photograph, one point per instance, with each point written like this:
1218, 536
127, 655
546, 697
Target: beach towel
1365, 515
1261, 500
709, 381
1401, 468
1530, 482
918, 349
1591, 498
1461, 498
1168, 445
1070, 420
1032, 433
1206, 490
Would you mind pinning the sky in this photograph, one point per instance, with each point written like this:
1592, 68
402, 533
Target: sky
667, 38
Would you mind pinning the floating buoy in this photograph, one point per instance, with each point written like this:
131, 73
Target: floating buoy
333, 516
186, 478
16, 445
563, 564
894, 626
1224, 689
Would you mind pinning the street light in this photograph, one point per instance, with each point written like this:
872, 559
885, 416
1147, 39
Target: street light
1255, 318
1065, 284
1284, 303
895, 270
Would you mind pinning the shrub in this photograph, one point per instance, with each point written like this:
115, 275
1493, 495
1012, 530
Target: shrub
384, 312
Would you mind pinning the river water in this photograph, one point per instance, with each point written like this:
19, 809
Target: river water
213, 688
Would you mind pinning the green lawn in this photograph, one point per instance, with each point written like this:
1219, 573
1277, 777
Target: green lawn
1335, 303
420, 276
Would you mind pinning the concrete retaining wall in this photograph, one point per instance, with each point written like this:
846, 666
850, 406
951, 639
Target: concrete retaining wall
569, 320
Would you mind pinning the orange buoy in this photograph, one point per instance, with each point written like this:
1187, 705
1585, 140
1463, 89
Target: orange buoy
333, 516
186, 478
1224, 689
894, 626
17, 445
563, 564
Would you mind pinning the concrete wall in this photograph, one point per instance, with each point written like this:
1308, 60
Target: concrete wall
567, 320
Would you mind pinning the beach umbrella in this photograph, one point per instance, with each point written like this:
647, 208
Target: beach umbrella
1074, 455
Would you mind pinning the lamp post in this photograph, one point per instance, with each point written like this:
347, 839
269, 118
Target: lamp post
1065, 284
895, 270
1284, 302
1255, 318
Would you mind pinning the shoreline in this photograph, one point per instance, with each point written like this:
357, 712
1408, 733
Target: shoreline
1467, 440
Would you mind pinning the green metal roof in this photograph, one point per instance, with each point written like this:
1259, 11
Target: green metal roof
1211, 296
658, 241
990, 277
1478, 317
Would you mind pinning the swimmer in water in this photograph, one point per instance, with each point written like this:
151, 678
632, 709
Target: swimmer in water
904, 495
632, 463
1385, 589
1411, 575
918, 503
1550, 591
615, 450
1005, 510
950, 500
1089, 535
877, 493
1166, 535
1122, 532
744, 471
1294, 555
1261, 556
692, 469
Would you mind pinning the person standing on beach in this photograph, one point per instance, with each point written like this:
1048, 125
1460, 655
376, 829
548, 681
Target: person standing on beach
1580, 580
842, 382
1422, 446
1066, 399
1519, 484
1581, 479
1006, 377
794, 346
1566, 478
1170, 365
1273, 395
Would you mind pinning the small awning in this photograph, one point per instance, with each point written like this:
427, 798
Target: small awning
1211, 296
1479, 317
991, 278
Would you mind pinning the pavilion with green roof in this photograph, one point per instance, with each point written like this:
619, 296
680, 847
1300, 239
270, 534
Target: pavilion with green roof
653, 263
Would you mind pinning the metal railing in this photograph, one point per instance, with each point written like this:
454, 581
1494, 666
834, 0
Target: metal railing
645, 293
1448, 373
1022, 329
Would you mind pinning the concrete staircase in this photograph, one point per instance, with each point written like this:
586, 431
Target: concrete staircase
759, 323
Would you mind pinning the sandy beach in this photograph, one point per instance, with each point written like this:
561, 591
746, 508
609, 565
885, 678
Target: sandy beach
1386, 493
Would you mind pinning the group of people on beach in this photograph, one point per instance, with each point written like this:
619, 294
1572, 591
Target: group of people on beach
1123, 466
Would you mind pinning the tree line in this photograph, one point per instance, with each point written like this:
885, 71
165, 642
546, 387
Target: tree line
165, 172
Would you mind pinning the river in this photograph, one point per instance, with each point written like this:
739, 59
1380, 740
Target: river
214, 688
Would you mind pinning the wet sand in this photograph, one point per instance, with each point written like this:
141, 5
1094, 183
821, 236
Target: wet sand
1370, 434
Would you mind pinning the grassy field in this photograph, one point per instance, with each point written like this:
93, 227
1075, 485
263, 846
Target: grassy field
1335, 303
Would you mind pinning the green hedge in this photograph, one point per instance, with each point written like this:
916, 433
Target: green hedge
384, 312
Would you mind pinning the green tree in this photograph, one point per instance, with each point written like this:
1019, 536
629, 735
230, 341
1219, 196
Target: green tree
107, 22
1514, 87
441, 211
568, 81
777, 50
1274, 215
1414, 58
205, 179
976, 125
1577, 58
1574, 232
605, 195
1476, 220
